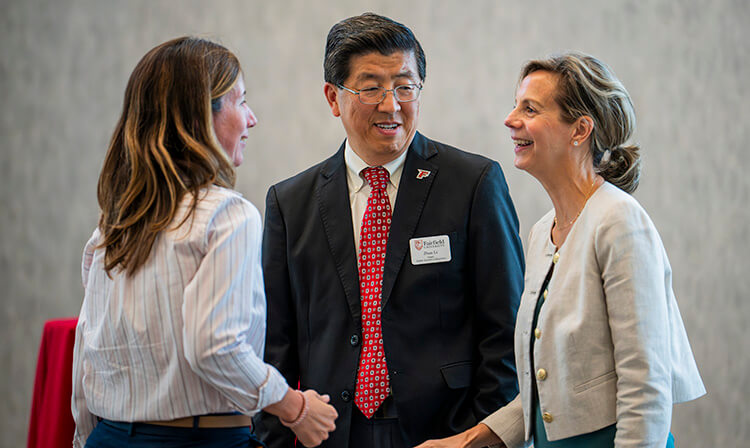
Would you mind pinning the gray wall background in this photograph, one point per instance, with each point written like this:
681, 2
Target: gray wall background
64, 65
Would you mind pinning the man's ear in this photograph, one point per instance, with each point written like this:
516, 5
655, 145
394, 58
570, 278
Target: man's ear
582, 129
332, 96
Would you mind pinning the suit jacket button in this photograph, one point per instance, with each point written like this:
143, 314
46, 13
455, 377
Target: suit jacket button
354, 340
547, 417
346, 396
541, 374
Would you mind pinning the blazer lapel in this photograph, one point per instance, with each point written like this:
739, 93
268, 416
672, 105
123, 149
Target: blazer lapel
410, 200
336, 214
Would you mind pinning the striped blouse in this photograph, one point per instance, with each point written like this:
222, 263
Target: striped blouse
185, 334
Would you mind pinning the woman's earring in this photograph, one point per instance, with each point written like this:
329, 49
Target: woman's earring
575, 143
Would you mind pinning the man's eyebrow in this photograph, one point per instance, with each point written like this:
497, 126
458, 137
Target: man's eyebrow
367, 76
406, 74
363, 76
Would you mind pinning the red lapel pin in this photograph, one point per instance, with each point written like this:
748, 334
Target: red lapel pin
421, 174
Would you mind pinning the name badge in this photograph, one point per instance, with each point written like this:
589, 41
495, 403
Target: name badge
430, 249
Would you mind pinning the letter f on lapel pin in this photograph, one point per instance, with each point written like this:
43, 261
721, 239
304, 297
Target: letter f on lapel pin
421, 174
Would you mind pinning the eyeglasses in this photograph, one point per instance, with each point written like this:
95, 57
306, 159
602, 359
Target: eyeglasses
375, 95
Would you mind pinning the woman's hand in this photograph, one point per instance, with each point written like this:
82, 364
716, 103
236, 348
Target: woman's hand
306, 413
313, 428
478, 436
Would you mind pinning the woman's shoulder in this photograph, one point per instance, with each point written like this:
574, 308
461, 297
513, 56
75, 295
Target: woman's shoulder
611, 204
616, 214
214, 200
216, 205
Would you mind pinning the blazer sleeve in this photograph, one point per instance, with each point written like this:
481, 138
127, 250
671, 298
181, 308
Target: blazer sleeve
507, 423
281, 337
633, 265
495, 267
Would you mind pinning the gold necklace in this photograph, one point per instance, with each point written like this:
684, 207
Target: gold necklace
591, 191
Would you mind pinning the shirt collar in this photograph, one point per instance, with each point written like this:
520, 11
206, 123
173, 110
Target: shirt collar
355, 165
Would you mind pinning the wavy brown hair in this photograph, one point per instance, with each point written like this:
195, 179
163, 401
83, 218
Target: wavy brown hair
163, 146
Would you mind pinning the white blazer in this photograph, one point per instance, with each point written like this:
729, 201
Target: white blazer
611, 340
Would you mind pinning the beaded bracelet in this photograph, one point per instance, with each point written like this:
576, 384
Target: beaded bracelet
302, 414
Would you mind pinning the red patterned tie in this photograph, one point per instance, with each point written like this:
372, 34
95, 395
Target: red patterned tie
373, 385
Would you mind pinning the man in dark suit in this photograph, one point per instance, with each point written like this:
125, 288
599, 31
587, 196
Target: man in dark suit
393, 270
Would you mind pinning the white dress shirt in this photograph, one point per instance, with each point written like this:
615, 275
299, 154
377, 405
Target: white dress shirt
359, 189
184, 335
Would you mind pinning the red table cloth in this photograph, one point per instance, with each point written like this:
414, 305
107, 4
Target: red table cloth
51, 419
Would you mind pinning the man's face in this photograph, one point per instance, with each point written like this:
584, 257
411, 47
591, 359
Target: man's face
378, 133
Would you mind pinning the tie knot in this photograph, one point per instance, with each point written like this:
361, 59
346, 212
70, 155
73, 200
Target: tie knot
376, 176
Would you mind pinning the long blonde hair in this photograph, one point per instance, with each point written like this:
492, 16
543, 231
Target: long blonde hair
163, 146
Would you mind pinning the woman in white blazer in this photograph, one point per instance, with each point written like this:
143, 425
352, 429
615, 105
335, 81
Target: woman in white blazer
601, 350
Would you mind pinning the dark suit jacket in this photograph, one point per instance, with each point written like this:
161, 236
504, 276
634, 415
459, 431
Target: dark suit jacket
447, 327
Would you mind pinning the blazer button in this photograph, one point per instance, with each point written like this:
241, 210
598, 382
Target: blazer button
556, 258
346, 396
546, 293
547, 417
537, 333
541, 374
354, 340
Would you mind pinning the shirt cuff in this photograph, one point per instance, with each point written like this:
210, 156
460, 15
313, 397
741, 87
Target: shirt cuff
273, 389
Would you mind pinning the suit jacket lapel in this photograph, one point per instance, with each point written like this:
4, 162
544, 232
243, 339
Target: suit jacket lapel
335, 211
412, 194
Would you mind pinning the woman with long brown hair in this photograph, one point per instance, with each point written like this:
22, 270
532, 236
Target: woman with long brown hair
171, 332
